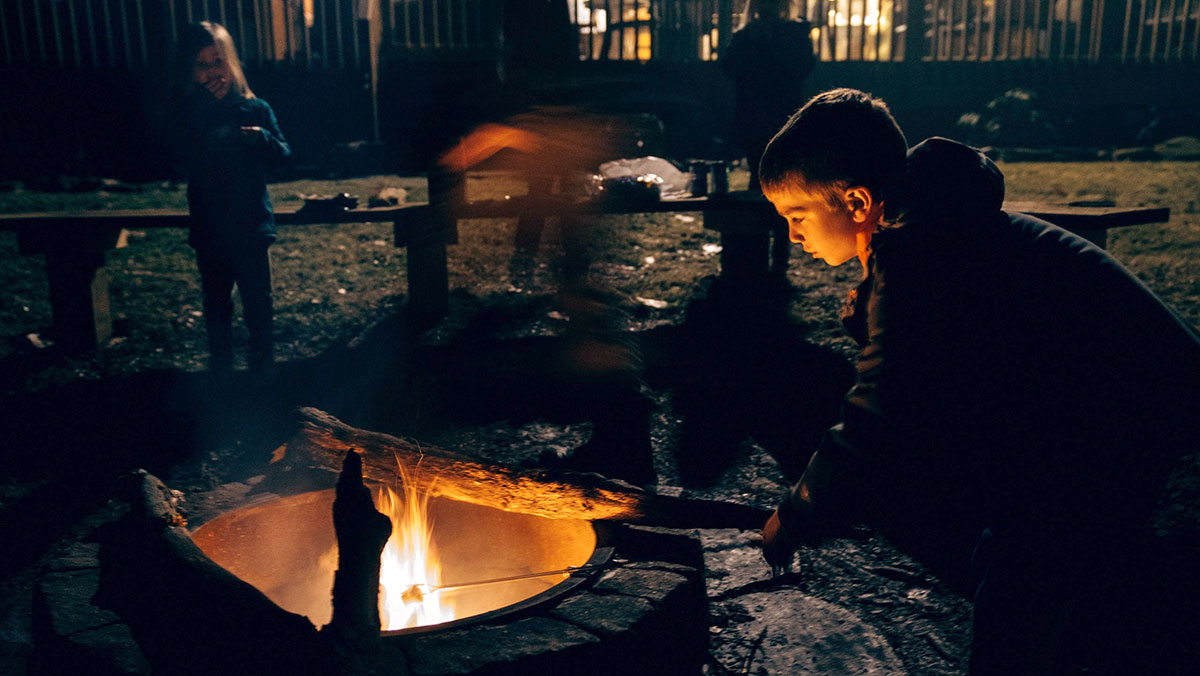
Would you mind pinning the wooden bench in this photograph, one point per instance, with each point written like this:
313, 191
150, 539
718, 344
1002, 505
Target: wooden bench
743, 219
75, 243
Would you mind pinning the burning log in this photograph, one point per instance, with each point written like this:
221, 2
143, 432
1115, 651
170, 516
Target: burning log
324, 440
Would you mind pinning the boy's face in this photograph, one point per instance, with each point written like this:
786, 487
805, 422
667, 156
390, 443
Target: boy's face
828, 232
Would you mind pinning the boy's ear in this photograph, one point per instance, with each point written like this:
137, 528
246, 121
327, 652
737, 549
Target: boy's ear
861, 203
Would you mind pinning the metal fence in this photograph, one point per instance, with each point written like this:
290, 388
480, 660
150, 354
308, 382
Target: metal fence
336, 34
1060, 30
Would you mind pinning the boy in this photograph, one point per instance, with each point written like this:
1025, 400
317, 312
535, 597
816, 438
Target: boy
1018, 393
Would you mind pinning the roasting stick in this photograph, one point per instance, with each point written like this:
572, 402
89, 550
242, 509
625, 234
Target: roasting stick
417, 591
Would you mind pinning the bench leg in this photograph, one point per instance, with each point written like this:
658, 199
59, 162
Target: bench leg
428, 281
744, 258
79, 300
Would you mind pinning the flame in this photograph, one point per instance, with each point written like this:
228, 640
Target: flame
409, 561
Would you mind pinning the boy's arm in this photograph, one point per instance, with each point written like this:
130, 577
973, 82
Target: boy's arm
842, 481
837, 487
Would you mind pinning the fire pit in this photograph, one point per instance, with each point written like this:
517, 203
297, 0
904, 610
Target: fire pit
582, 575
447, 563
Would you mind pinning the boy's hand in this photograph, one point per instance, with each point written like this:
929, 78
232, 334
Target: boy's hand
777, 547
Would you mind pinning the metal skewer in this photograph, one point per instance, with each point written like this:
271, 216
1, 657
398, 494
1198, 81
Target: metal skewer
417, 591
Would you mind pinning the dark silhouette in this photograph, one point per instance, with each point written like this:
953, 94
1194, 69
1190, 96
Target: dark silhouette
1014, 381
768, 60
597, 361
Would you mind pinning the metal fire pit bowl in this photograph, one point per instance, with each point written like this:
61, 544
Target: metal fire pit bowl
286, 548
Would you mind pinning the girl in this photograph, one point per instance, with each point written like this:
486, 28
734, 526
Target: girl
225, 138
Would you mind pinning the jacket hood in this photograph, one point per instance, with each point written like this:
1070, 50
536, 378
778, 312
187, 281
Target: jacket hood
944, 181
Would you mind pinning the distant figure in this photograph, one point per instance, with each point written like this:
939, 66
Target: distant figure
538, 47
768, 60
226, 137
1020, 395
538, 43
598, 362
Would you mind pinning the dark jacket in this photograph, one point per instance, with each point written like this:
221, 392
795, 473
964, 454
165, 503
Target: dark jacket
1010, 373
768, 61
226, 174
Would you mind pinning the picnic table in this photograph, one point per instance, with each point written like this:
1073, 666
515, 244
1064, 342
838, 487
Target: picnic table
743, 219
75, 243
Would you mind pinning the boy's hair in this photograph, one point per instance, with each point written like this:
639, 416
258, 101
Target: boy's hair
203, 34
840, 138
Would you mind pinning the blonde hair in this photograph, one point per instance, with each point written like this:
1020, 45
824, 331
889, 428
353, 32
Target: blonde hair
209, 33
765, 9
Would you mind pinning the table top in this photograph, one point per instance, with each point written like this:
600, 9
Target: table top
1085, 217
178, 218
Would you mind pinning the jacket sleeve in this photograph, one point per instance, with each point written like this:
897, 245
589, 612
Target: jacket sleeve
845, 478
276, 147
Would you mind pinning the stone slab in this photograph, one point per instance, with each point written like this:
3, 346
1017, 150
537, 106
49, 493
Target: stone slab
529, 646
605, 615
655, 585
104, 651
785, 631
732, 559
76, 556
73, 636
63, 605
781, 630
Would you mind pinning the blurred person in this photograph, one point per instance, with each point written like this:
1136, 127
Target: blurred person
557, 149
768, 59
1021, 398
226, 138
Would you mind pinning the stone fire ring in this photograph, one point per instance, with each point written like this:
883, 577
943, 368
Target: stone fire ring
646, 614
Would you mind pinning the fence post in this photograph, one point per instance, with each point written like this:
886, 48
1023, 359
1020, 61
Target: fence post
724, 25
1110, 30
914, 31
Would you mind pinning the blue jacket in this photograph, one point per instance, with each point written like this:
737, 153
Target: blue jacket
226, 174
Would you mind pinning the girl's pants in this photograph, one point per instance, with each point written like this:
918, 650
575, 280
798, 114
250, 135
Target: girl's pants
250, 269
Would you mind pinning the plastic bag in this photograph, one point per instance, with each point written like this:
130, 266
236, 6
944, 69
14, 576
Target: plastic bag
674, 182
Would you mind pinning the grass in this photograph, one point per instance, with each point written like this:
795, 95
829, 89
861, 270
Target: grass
333, 282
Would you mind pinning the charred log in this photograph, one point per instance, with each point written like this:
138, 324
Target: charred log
323, 440
189, 615
362, 534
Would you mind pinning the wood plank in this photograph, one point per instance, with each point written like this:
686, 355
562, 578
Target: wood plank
1064, 215
178, 218
1090, 218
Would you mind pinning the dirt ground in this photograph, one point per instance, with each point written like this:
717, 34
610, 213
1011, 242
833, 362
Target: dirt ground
737, 391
